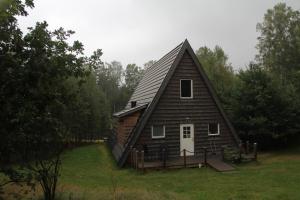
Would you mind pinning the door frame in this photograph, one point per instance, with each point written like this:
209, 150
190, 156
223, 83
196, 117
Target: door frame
192, 146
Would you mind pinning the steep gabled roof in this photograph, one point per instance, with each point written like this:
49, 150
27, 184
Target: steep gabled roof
154, 83
153, 78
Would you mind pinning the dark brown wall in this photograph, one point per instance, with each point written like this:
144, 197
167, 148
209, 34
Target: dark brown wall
125, 126
172, 111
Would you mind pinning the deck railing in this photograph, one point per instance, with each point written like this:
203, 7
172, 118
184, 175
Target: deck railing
138, 158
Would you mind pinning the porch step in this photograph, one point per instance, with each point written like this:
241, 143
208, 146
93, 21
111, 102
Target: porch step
219, 165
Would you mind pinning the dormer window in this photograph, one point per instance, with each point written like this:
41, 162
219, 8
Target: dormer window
186, 89
133, 104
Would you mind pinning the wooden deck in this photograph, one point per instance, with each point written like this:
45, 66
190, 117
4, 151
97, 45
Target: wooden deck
138, 160
214, 162
191, 161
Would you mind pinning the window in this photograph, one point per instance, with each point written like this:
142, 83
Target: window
213, 129
186, 89
158, 131
186, 131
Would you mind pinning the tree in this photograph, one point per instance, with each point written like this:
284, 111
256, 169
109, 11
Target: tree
219, 72
133, 75
279, 60
279, 41
11, 49
89, 116
149, 64
109, 78
265, 110
34, 96
116, 83
51, 62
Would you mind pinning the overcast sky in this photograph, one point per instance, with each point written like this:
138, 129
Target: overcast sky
136, 31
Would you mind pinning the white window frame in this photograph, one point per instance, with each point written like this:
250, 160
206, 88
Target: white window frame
210, 134
192, 94
157, 137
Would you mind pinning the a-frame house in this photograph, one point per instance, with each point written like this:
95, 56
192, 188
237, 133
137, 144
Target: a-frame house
173, 109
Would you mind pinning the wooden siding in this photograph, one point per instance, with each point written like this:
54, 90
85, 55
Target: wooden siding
125, 126
172, 111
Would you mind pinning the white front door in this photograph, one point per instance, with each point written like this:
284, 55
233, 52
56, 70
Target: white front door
187, 139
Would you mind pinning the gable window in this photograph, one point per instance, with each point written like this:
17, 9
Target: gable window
186, 89
213, 129
158, 131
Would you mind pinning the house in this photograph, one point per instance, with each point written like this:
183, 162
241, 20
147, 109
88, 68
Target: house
173, 110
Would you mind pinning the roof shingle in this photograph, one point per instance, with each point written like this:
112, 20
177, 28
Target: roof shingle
153, 78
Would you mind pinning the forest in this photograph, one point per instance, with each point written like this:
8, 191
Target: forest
53, 95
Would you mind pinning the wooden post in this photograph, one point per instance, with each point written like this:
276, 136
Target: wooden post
136, 159
184, 157
240, 151
222, 153
142, 160
164, 157
255, 151
205, 156
133, 159
247, 147
131, 155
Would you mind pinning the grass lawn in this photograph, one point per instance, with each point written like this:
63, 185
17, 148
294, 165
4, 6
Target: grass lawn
89, 172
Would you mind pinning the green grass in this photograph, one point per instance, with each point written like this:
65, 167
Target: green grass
90, 173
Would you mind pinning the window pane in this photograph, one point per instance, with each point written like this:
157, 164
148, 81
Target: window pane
186, 132
186, 88
213, 128
158, 131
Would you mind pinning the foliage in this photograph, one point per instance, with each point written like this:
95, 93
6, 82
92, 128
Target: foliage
108, 78
89, 116
149, 64
10, 55
264, 109
220, 73
268, 97
116, 83
34, 97
132, 75
112, 78
279, 41
231, 155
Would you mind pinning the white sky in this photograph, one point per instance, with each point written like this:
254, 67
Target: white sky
136, 31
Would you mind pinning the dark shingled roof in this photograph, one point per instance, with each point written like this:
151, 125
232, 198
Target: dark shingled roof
153, 78
128, 111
